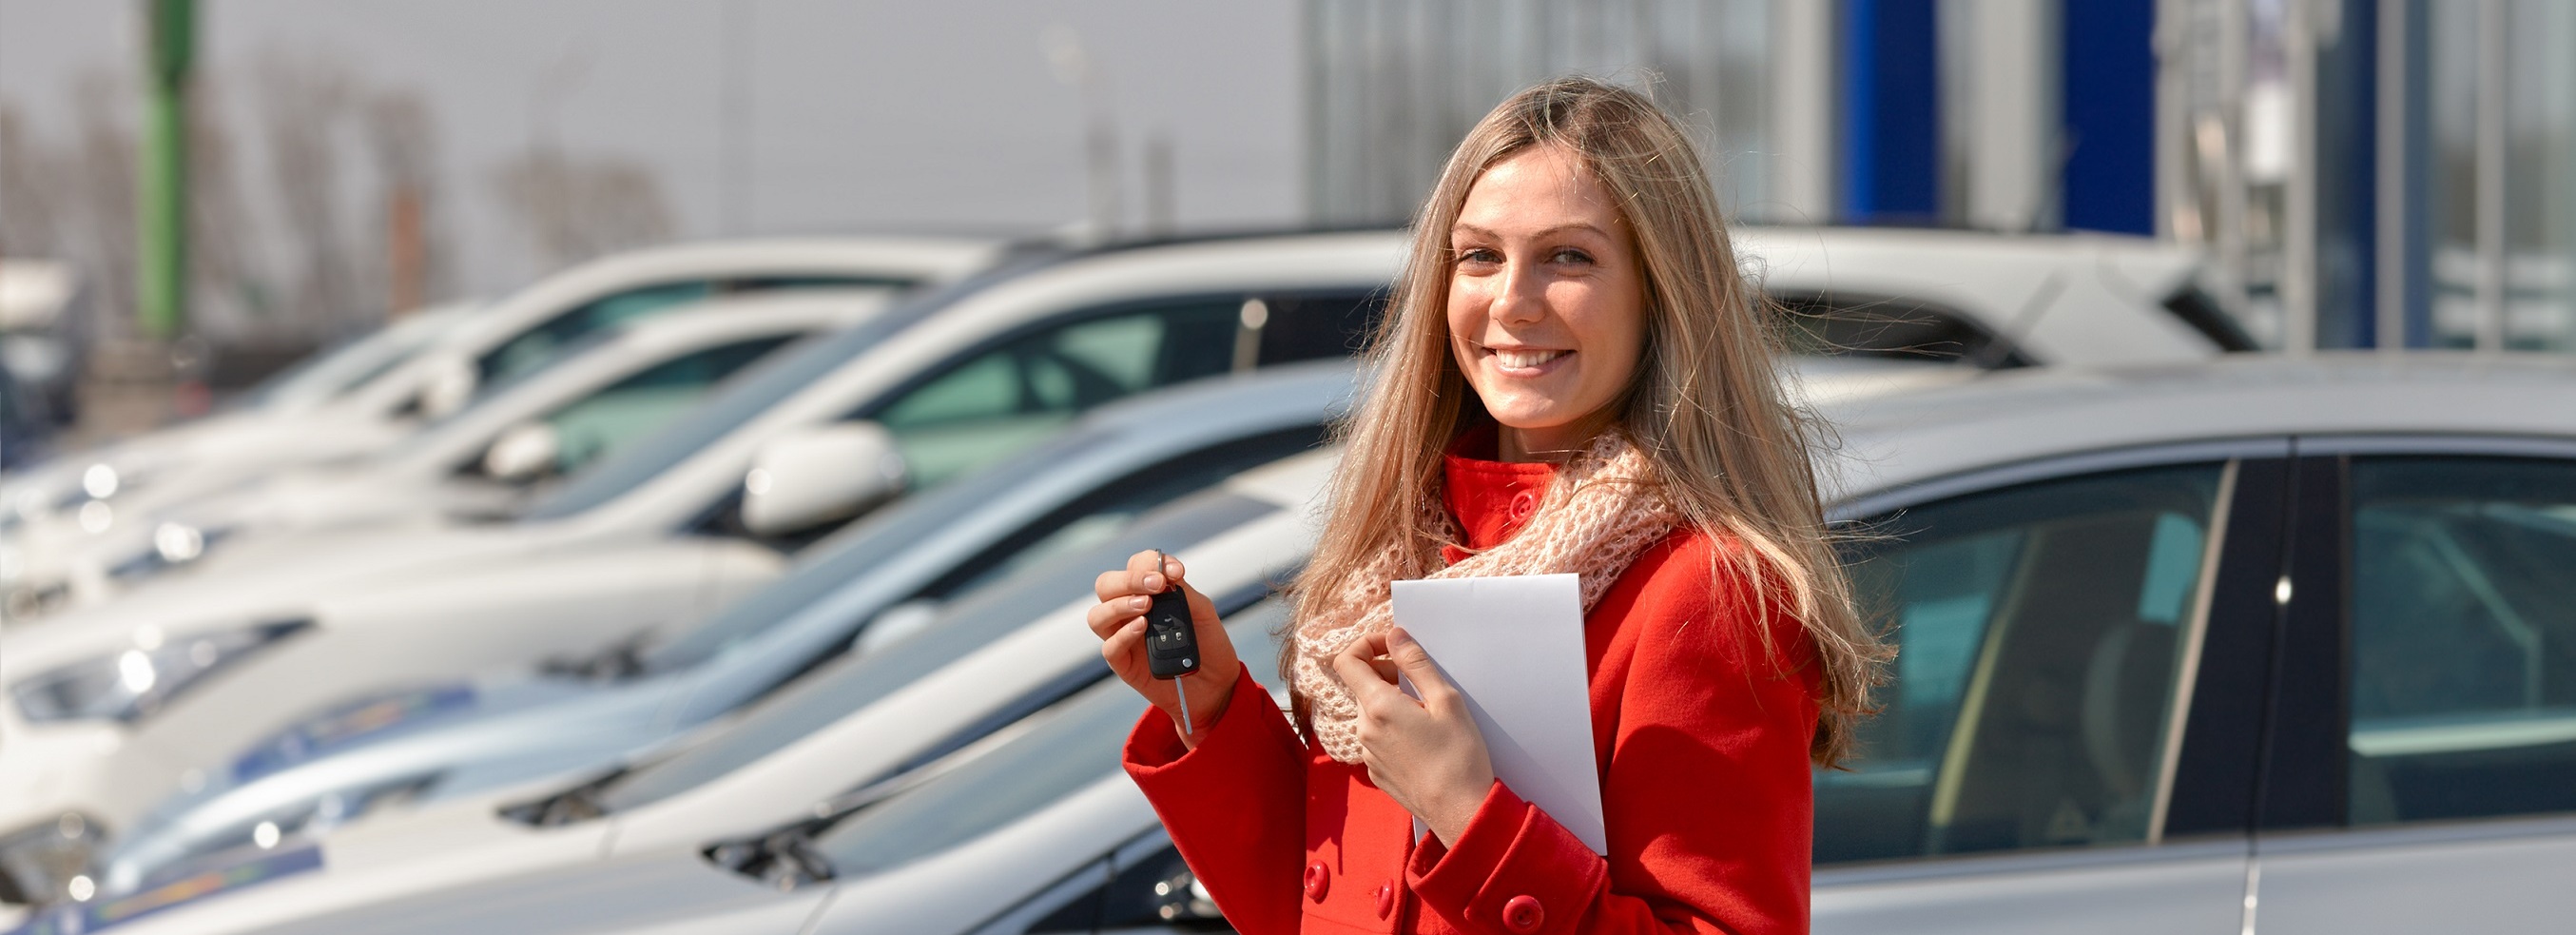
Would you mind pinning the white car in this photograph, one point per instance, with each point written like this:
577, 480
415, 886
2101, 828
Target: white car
2263, 643
82, 496
831, 741
505, 447
110, 705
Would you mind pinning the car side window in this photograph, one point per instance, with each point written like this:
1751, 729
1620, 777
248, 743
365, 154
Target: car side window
591, 426
1835, 325
541, 345
2038, 629
1002, 400
2463, 628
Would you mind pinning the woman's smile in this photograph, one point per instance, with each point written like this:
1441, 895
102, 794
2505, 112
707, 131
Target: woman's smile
1546, 301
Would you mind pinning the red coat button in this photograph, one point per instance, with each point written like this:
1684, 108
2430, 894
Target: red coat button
1523, 503
1385, 900
1318, 880
1523, 915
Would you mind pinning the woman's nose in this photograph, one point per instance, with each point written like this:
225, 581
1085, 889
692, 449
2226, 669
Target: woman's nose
1522, 296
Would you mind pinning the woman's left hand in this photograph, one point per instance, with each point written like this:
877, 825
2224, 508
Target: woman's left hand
1425, 754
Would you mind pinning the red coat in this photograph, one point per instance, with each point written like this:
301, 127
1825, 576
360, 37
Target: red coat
1702, 744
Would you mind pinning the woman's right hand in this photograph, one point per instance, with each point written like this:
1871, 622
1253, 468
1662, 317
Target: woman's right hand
1119, 621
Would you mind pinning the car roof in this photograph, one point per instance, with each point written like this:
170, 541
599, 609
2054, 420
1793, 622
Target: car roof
2008, 417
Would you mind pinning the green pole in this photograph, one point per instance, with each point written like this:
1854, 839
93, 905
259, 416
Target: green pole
163, 259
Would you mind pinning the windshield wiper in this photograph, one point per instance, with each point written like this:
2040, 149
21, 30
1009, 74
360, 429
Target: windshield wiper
615, 662
572, 806
785, 857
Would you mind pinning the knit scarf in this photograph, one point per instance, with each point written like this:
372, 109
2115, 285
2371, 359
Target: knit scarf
1602, 510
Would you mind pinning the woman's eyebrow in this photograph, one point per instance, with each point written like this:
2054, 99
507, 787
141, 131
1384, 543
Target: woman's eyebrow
1576, 226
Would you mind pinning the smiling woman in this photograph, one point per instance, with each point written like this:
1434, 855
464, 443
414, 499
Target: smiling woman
1573, 379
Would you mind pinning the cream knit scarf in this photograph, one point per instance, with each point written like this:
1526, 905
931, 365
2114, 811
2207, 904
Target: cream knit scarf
1602, 510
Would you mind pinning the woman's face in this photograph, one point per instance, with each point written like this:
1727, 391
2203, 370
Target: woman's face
1546, 301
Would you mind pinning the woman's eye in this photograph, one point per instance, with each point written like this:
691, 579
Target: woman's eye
1570, 255
1479, 255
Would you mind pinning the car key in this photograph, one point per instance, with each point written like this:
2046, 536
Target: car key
1171, 639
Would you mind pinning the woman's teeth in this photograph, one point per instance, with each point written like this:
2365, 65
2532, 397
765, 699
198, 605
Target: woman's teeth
1523, 360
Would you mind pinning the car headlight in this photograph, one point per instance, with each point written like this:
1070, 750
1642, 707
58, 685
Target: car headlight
49, 862
152, 860
139, 681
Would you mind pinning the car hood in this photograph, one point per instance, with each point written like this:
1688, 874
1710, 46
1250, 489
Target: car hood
274, 578
611, 895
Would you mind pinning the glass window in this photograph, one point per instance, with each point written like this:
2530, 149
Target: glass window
1008, 398
1897, 329
2037, 630
2463, 610
544, 343
590, 426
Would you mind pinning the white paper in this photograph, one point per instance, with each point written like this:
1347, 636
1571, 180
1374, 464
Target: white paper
1514, 647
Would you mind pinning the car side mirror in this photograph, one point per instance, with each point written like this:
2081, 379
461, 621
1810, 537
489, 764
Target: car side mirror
523, 453
450, 386
819, 475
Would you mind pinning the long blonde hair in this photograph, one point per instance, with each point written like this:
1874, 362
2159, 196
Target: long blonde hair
1728, 449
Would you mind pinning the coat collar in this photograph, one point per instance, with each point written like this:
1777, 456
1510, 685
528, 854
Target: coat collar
1488, 499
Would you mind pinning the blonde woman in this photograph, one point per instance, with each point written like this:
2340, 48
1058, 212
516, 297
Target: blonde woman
1573, 378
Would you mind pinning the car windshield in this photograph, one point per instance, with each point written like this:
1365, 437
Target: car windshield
810, 704
1065, 749
742, 400
327, 373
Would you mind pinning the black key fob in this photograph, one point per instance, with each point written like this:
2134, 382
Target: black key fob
1171, 642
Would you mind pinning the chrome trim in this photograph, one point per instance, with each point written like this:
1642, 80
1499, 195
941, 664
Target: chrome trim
2055, 466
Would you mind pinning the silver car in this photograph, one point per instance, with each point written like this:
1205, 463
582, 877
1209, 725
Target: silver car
874, 584
2261, 643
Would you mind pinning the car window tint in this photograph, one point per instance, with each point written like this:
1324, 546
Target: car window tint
1904, 329
1317, 327
541, 345
2037, 629
1006, 398
2463, 615
629, 408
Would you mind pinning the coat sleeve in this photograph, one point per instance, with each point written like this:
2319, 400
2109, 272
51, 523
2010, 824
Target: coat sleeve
1706, 788
1235, 805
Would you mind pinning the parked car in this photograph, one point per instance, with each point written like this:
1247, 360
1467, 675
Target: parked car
872, 585
52, 506
113, 703
856, 728
512, 444
2177, 645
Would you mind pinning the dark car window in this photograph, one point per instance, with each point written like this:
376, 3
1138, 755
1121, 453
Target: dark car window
2463, 622
1839, 325
592, 425
2037, 629
977, 410
550, 340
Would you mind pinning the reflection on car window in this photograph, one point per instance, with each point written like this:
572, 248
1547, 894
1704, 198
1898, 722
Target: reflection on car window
547, 342
1008, 398
2463, 611
1902, 329
2037, 631
809, 704
589, 427
1064, 750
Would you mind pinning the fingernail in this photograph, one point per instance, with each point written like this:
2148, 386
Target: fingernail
1139, 603
1153, 582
